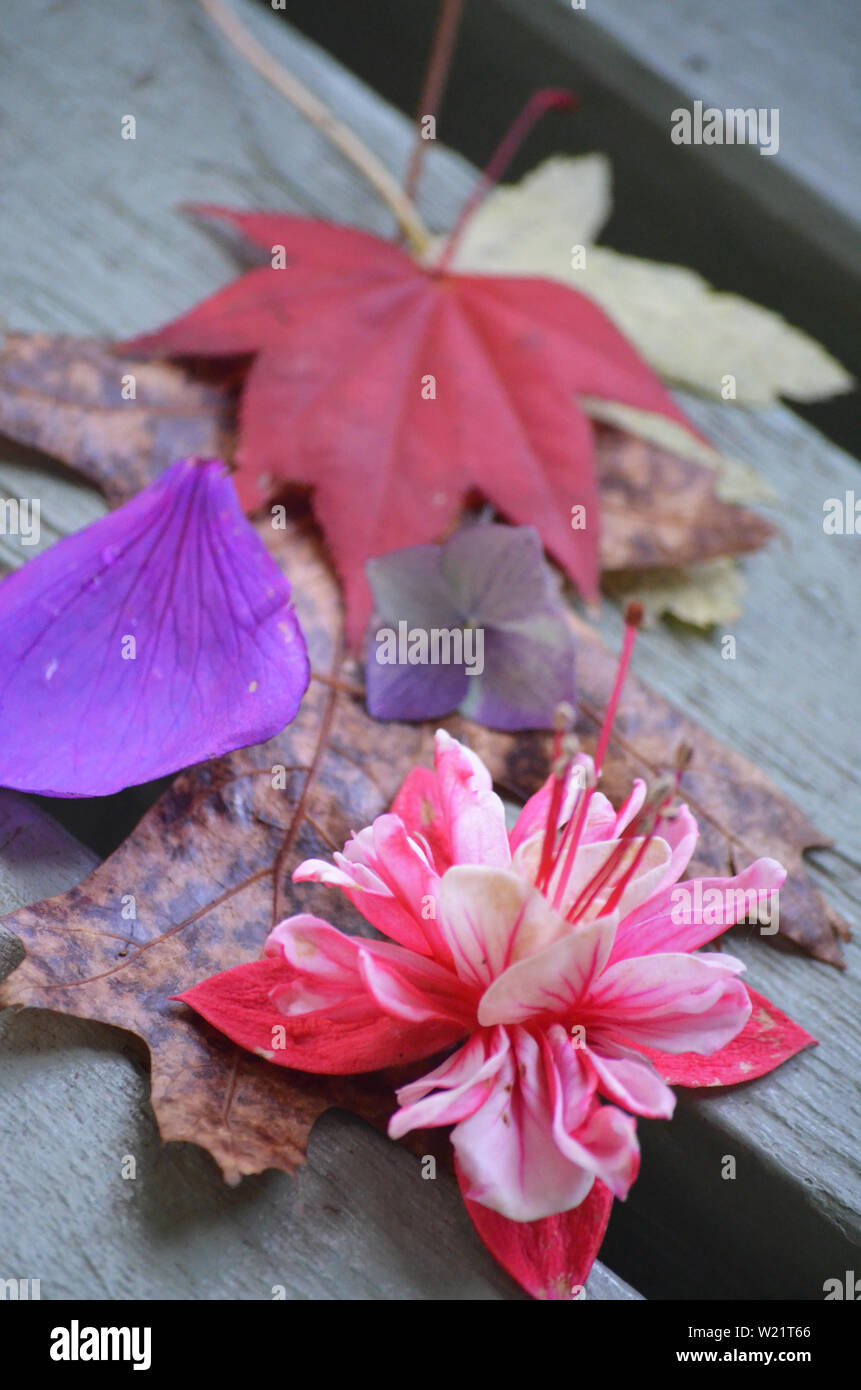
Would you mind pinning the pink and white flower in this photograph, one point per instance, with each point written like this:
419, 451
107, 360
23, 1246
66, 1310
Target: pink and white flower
545, 962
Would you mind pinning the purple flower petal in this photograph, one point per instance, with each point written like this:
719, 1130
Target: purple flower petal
158, 637
528, 671
476, 624
497, 574
410, 596
413, 692
409, 585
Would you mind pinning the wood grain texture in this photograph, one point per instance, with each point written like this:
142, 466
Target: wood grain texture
762, 55
95, 244
797, 58
789, 702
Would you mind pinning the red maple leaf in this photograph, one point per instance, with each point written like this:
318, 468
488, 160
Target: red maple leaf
395, 389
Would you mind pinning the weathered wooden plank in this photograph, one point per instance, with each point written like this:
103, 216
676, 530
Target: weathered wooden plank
799, 59
788, 701
96, 237
38, 858
65, 505
792, 1133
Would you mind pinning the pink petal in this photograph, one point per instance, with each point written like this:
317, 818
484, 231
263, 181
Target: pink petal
575, 1076
473, 813
607, 1141
324, 969
417, 989
675, 1002
591, 859
332, 968
767, 1040
630, 807
533, 817
454, 1090
549, 1258
629, 1079
599, 1139
681, 917
490, 918
386, 875
550, 981
602, 821
681, 833
414, 883
507, 1151
239, 1003
160, 636
418, 804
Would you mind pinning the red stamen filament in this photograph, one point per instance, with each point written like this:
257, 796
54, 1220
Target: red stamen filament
605, 874
633, 618
564, 748
574, 829
546, 861
655, 812
572, 832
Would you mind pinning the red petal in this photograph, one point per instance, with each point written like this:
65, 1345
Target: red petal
237, 1002
550, 1258
419, 806
768, 1038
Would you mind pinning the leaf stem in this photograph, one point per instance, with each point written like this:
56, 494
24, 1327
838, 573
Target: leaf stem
436, 77
546, 99
315, 111
320, 750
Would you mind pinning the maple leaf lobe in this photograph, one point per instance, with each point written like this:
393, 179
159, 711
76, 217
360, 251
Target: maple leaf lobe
343, 338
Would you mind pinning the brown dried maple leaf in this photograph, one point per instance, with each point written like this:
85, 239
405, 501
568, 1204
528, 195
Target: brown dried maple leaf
64, 395
662, 511
69, 397
209, 867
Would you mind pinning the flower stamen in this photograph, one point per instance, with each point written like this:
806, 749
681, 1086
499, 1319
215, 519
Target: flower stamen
565, 746
633, 619
657, 810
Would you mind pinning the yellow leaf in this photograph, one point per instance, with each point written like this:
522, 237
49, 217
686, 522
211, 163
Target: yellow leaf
700, 594
720, 345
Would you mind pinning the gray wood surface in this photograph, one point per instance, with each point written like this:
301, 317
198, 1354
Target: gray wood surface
799, 58
95, 243
790, 703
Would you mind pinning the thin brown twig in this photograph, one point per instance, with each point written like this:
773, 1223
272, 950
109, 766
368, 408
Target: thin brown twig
319, 754
315, 111
346, 687
434, 84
